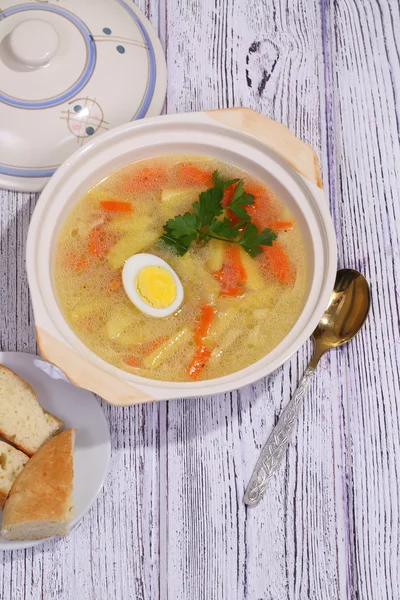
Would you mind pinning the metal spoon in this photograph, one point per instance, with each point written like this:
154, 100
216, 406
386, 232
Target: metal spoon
346, 313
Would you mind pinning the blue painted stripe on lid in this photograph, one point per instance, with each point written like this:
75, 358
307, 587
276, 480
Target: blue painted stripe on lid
17, 172
152, 62
84, 78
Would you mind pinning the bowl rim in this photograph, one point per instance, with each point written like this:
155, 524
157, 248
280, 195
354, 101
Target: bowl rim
162, 389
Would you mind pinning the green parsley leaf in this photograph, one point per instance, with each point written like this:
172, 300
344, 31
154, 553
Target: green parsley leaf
176, 245
205, 222
218, 181
251, 240
208, 207
180, 232
224, 229
239, 200
183, 226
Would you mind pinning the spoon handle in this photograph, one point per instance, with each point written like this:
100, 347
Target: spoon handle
275, 447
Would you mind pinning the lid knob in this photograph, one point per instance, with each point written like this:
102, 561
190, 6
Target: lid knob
34, 42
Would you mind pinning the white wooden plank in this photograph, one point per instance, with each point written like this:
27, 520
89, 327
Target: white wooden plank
262, 55
363, 109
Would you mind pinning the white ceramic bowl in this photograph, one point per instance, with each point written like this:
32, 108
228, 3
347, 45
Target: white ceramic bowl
241, 137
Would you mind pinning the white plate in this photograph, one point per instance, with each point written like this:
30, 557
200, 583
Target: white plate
79, 409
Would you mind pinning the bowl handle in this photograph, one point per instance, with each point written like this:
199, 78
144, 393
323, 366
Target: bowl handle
85, 375
274, 135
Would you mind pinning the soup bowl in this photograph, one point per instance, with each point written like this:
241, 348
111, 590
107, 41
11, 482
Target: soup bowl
241, 137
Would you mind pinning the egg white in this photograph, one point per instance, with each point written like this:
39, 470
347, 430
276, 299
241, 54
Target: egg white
136, 263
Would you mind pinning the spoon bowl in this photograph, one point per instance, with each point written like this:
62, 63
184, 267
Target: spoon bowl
345, 314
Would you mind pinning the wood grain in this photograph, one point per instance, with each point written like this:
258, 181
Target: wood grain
170, 523
363, 112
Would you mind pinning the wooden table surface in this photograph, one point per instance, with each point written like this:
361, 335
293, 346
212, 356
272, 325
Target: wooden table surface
170, 522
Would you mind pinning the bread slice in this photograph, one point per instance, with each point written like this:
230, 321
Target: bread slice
23, 422
12, 462
40, 501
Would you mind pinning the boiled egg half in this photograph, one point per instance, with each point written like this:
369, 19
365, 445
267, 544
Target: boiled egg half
152, 285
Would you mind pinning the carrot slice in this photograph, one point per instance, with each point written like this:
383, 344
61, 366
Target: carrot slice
228, 195
147, 179
264, 210
226, 200
132, 361
189, 175
235, 263
278, 262
76, 262
99, 242
143, 350
199, 360
233, 219
278, 225
232, 274
254, 189
203, 323
148, 348
114, 284
115, 206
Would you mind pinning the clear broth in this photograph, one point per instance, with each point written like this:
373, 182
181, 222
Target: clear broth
88, 277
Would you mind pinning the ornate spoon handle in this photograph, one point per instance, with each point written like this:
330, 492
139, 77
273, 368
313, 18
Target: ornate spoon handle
275, 448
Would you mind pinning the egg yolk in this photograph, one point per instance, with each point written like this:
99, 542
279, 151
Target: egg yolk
156, 286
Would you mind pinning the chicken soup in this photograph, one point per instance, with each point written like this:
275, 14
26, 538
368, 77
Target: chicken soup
180, 268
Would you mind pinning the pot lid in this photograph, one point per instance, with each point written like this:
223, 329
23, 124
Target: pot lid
70, 70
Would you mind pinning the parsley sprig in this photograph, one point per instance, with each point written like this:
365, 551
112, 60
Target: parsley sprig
207, 221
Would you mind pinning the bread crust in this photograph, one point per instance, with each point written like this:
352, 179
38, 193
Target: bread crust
3, 498
43, 490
